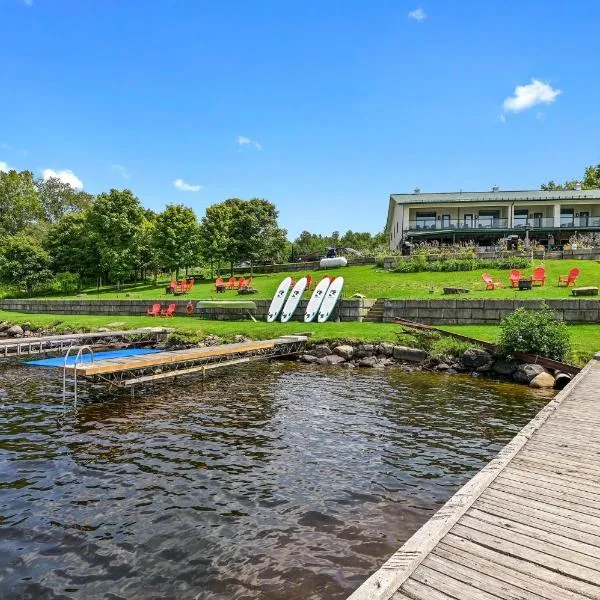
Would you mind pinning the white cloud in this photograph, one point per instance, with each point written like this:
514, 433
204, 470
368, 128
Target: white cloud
28, 2
246, 141
122, 170
417, 15
66, 176
502, 118
4, 168
532, 94
184, 186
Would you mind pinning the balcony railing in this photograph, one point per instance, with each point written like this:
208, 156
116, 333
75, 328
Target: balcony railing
486, 223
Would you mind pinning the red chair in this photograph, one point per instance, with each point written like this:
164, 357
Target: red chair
539, 276
169, 312
490, 284
515, 275
248, 282
241, 283
231, 285
569, 279
154, 311
309, 282
293, 283
219, 285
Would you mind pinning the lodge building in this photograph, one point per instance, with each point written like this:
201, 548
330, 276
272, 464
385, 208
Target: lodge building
484, 217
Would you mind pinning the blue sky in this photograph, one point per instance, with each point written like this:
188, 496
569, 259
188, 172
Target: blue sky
325, 108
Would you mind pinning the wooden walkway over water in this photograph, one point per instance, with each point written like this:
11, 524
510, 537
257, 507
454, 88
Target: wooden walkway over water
525, 527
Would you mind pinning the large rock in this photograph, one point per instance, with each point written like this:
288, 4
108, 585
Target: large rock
368, 361
308, 358
504, 367
474, 358
525, 373
365, 350
4, 326
332, 359
386, 349
409, 354
345, 351
15, 331
541, 381
321, 350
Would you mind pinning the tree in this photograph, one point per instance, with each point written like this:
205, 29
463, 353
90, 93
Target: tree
19, 203
591, 180
116, 220
58, 198
214, 235
176, 237
73, 246
24, 263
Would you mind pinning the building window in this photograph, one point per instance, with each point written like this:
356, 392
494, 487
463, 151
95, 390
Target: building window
538, 219
468, 221
446, 223
425, 220
566, 217
521, 217
489, 218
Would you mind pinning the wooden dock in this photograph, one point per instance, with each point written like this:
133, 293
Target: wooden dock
527, 526
132, 370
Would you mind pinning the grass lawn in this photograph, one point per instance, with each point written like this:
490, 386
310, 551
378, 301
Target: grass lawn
377, 283
585, 339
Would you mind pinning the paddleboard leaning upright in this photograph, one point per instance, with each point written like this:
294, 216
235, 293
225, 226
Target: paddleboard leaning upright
279, 299
333, 294
293, 300
314, 303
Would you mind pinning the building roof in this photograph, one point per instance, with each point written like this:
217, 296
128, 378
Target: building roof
499, 196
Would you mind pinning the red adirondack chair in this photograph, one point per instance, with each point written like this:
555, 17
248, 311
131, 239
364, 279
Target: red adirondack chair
515, 275
569, 279
219, 285
241, 283
169, 312
539, 276
248, 282
154, 311
309, 282
490, 284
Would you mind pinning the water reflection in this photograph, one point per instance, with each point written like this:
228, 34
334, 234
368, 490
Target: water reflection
269, 481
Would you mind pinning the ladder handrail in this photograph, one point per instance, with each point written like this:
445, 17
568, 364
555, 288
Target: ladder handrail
78, 359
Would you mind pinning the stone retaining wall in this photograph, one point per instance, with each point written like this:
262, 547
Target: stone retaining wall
305, 267
346, 310
485, 311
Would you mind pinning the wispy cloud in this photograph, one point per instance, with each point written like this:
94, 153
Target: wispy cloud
65, 175
4, 168
184, 186
418, 14
122, 170
530, 95
246, 141
28, 2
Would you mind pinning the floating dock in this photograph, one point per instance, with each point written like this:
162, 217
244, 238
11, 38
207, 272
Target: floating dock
29, 346
127, 371
527, 526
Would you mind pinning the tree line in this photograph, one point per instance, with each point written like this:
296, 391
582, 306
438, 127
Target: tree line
51, 233
590, 181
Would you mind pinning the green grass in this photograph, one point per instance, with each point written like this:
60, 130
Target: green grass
377, 283
585, 339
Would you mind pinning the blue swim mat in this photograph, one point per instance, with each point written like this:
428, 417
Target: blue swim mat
86, 358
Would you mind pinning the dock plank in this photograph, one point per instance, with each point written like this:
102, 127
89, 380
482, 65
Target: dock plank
526, 526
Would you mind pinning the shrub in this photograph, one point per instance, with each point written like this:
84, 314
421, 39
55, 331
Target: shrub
534, 332
66, 283
447, 346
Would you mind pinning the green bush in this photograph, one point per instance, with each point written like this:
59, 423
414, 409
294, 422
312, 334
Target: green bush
65, 283
446, 347
419, 264
534, 332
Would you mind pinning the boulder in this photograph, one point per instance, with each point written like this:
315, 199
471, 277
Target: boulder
26, 326
409, 354
332, 359
15, 331
365, 350
308, 358
473, 358
368, 361
386, 349
542, 381
442, 367
321, 350
345, 351
4, 326
504, 367
348, 365
525, 373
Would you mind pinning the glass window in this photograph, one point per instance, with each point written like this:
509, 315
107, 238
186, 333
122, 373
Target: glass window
520, 218
425, 220
566, 217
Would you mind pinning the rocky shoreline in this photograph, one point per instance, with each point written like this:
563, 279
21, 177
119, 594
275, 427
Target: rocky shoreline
474, 361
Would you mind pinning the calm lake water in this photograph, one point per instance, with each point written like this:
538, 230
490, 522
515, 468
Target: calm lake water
268, 481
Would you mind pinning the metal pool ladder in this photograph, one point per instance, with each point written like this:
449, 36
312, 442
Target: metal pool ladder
78, 360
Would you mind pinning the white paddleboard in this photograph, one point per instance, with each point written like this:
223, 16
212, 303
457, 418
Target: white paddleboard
333, 294
315, 300
293, 299
279, 299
